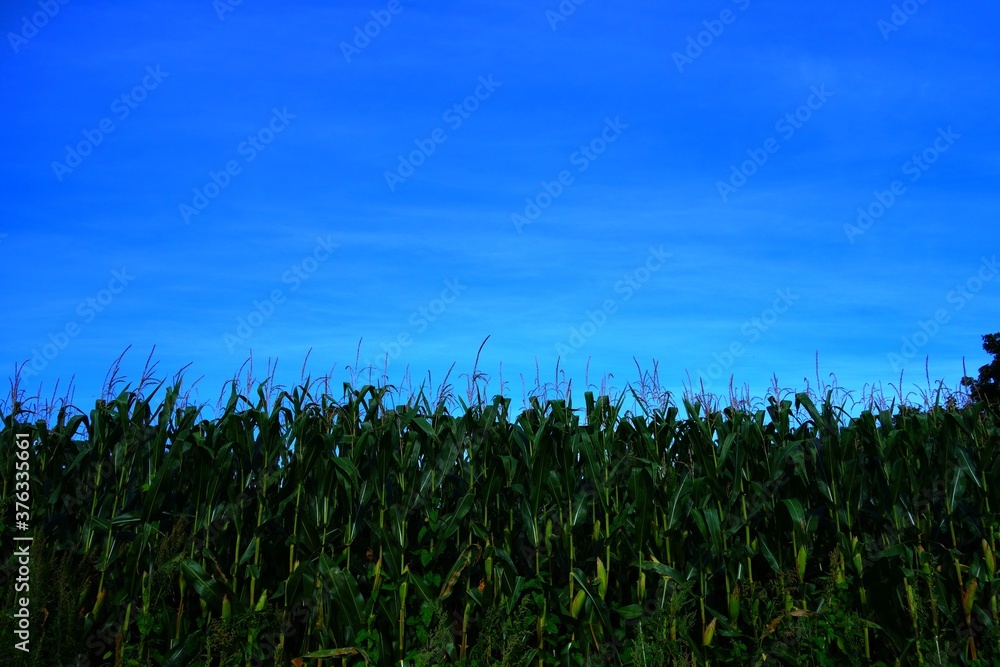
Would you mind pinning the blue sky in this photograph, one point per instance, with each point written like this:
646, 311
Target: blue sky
729, 188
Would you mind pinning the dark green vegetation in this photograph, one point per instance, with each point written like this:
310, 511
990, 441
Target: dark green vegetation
986, 387
295, 529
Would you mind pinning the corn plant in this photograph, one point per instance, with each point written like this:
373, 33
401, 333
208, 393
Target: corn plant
295, 527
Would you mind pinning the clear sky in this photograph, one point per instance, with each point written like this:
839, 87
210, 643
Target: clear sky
727, 187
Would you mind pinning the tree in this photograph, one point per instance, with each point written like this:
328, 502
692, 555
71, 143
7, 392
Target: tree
987, 388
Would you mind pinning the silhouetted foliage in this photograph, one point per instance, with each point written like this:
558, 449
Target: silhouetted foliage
987, 387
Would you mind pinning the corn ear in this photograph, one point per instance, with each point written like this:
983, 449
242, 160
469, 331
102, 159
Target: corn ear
911, 606
577, 604
734, 603
99, 603
602, 578
991, 564
969, 596
857, 556
708, 633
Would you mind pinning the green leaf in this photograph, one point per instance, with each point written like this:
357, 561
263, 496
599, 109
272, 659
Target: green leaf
469, 555
209, 589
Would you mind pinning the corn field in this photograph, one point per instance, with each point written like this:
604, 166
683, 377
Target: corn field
297, 529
